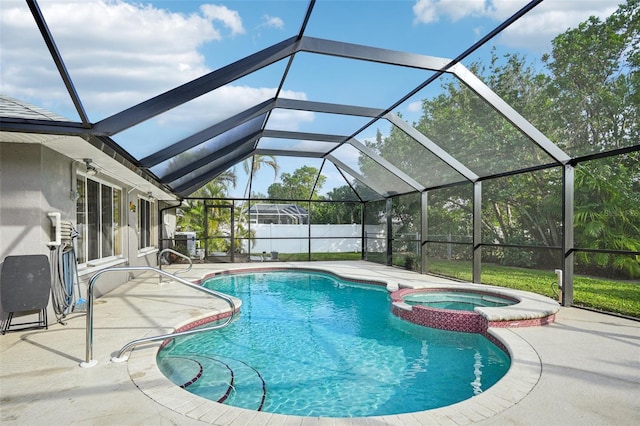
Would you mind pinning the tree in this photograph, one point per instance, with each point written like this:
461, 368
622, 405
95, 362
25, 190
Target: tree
339, 212
596, 90
191, 215
523, 209
297, 186
218, 187
594, 85
195, 215
607, 213
251, 167
586, 101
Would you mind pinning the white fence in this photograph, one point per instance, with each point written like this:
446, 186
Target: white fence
324, 238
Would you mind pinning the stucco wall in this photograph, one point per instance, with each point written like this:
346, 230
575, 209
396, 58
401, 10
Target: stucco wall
35, 180
24, 199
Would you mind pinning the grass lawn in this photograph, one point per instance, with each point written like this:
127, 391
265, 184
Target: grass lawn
622, 297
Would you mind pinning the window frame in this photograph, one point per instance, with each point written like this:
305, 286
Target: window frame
147, 238
91, 252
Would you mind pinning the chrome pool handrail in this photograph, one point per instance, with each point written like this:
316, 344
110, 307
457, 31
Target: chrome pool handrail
177, 253
89, 362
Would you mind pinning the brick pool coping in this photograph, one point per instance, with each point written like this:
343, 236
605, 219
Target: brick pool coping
519, 380
468, 321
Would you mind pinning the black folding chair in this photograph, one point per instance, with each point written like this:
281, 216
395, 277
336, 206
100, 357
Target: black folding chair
25, 286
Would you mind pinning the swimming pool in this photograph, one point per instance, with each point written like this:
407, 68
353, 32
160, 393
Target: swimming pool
457, 300
309, 344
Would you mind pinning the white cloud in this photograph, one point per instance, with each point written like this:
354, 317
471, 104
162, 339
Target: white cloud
118, 55
229, 18
228, 101
288, 119
415, 106
427, 11
550, 18
272, 22
534, 30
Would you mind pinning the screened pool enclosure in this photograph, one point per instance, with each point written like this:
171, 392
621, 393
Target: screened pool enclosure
437, 160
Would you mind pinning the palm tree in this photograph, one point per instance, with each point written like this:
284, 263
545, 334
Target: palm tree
219, 186
252, 166
193, 212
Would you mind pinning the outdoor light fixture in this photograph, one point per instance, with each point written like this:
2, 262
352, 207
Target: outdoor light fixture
150, 196
91, 169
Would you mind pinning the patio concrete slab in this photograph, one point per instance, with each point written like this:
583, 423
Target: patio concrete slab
583, 369
590, 372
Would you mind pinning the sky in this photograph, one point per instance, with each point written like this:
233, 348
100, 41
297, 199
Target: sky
120, 53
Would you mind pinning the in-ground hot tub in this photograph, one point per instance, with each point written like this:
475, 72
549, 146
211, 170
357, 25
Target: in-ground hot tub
471, 310
456, 300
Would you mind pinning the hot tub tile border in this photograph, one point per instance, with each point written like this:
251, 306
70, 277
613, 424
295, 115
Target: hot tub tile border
466, 321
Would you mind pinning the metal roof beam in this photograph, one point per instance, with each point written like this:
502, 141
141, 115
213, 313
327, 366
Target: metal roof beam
203, 161
43, 127
347, 181
431, 146
321, 137
193, 185
57, 59
503, 108
238, 119
195, 88
206, 134
328, 108
289, 153
372, 54
355, 174
387, 165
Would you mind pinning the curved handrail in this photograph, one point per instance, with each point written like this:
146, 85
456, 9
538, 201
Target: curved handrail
168, 250
89, 362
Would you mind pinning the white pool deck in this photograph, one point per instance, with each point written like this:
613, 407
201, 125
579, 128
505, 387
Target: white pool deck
584, 369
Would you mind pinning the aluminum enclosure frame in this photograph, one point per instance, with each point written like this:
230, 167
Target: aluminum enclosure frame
202, 169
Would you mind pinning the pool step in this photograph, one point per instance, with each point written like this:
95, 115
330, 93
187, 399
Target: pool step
180, 370
228, 381
216, 378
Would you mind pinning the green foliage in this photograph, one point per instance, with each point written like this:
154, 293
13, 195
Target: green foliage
450, 213
211, 220
406, 215
595, 90
297, 186
192, 215
587, 102
411, 262
622, 297
594, 85
253, 165
607, 213
375, 212
340, 212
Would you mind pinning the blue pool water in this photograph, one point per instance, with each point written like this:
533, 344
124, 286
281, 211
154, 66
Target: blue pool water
456, 300
309, 344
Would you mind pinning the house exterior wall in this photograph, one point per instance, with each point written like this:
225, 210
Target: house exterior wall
26, 186
35, 180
